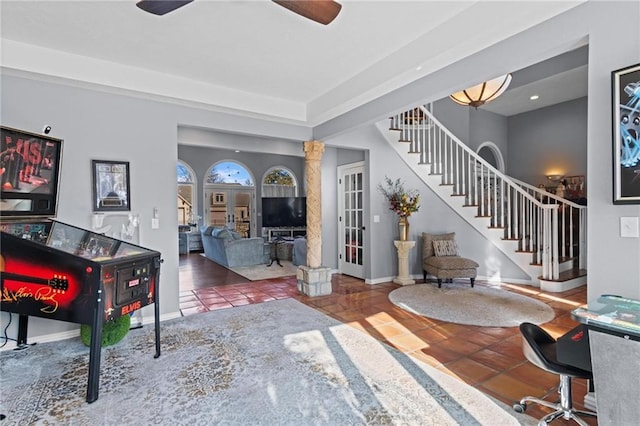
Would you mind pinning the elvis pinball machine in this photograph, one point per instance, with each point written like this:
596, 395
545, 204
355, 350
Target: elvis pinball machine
54, 270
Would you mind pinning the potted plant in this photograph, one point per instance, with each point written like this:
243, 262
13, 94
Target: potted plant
401, 201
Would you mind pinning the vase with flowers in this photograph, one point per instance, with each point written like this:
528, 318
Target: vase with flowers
401, 201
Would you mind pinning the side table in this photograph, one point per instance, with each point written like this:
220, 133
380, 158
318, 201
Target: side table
404, 247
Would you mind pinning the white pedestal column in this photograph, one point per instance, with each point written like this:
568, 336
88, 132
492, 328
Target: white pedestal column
404, 247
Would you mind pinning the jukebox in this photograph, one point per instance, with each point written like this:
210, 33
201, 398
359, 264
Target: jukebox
54, 270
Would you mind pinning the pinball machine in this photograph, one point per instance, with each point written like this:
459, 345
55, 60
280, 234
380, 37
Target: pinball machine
50, 269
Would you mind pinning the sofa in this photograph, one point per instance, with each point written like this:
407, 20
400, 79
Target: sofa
228, 248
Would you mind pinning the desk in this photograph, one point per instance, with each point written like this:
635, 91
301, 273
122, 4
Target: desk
614, 339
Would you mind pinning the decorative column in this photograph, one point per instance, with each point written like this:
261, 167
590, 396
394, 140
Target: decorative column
313, 279
403, 247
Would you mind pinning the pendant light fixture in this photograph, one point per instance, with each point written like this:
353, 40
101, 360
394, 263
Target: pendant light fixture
483, 92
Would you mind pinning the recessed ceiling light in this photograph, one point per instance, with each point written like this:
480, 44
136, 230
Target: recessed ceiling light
419, 67
534, 97
237, 150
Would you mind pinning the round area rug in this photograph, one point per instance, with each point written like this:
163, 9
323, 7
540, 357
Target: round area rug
461, 304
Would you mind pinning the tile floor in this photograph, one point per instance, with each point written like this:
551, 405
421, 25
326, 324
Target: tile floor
488, 358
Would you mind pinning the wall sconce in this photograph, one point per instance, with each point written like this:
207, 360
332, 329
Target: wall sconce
555, 178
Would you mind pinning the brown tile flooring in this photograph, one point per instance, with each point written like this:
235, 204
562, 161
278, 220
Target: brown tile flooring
488, 358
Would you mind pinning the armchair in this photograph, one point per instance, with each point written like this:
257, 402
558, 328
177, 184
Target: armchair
440, 258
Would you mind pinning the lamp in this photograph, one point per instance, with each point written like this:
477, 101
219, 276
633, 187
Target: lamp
483, 92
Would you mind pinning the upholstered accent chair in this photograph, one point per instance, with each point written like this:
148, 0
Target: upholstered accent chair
440, 258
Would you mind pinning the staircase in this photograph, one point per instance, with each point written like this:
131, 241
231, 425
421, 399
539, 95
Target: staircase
543, 234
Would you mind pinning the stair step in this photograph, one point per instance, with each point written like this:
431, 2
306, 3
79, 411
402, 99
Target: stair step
405, 140
568, 275
484, 215
470, 205
496, 227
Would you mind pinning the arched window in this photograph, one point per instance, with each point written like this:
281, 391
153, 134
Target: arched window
279, 182
229, 172
187, 207
229, 197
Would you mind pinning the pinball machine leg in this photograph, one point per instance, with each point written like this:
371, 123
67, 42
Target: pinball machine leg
93, 384
157, 324
23, 325
156, 306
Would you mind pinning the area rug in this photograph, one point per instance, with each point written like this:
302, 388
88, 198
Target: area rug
264, 272
461, 304
275, 363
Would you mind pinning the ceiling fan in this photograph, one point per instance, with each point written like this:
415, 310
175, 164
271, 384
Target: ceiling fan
321, 11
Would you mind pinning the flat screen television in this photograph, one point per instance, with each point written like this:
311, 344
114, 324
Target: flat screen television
29, 174
284, 212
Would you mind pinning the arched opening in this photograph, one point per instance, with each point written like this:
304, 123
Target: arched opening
490, 152
229, 197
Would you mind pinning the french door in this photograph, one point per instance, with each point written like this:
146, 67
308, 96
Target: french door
231, 207
351, 217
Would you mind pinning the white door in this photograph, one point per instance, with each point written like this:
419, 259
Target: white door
351, 216
233, 208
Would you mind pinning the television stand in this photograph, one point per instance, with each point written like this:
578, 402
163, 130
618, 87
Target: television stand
292, 232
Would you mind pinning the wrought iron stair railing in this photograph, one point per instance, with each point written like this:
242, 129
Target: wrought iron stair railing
551, 228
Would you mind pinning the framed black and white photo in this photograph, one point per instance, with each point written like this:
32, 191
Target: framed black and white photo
110, 186
626, 135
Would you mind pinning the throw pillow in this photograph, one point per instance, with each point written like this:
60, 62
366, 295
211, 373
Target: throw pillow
235, 235
445, 247
224, 233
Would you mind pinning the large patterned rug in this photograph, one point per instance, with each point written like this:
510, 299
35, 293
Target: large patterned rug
482, 306
276, 363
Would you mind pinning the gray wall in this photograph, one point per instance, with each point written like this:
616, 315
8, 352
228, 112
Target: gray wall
550, 140
611, 30
434, 216
99, 125
96, 124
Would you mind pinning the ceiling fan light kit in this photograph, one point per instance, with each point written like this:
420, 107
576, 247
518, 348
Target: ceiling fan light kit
320, 11
483, 92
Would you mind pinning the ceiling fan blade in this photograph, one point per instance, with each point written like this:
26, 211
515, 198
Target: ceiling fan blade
161, 7
321, 11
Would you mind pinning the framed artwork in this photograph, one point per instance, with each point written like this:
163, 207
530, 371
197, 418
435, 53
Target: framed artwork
110, 186
625, 84
574, 187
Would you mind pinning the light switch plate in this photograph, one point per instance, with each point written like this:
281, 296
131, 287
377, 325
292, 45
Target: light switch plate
629, 227
155, 223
